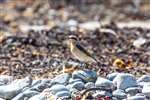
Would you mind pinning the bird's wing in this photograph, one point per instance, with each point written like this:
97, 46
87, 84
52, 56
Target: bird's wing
83, 50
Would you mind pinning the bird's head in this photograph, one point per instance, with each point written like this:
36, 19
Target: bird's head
73, 39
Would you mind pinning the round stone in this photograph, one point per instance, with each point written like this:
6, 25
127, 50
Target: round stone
133, 90
136, 98
89, 85
112, 76
104, 83
85, 75
124, 80
120, 94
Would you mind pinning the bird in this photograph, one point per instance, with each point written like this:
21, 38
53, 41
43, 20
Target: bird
79, 52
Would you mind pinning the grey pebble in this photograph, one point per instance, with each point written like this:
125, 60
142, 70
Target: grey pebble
102, 94
112, 76
41, 85
120, 94
38, 97
57, 88
144, 78
63, 95
89, 85
136, 98
146, 89
124, 80
62, 79
11, 90
104, 83
25, 95
85, 75
133, 90
79, 85
5, 79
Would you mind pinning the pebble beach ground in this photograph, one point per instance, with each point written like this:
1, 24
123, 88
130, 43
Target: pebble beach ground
34, 55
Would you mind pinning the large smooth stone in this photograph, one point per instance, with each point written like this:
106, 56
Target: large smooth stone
146, 89
133, 90
79, 85
71, 81
25, 95
120, 94
144, 78
136, 98
40, 85
124, 80
112, 76
89, 85
5, 79
11, 90
57, 88
63, 95
38, 97
102, 94
104, 83
85, 75
61, 79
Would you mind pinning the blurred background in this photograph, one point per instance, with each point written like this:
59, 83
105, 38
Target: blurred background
33, 34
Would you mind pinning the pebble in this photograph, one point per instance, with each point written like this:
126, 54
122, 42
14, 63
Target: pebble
104, 83
26, 95
102, 94
5, 79
71, 80
85, 75
139, 42
38, 97
61, 79
91, 25
89, 85
133, 90
137, 98
112, 76
120, 94
11, 90
124, 80
118, 86
143, 80
40, 85
77, 84
63, 95
146, 89
57, 88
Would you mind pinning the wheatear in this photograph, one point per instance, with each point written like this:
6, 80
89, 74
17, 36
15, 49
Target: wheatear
79, 52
